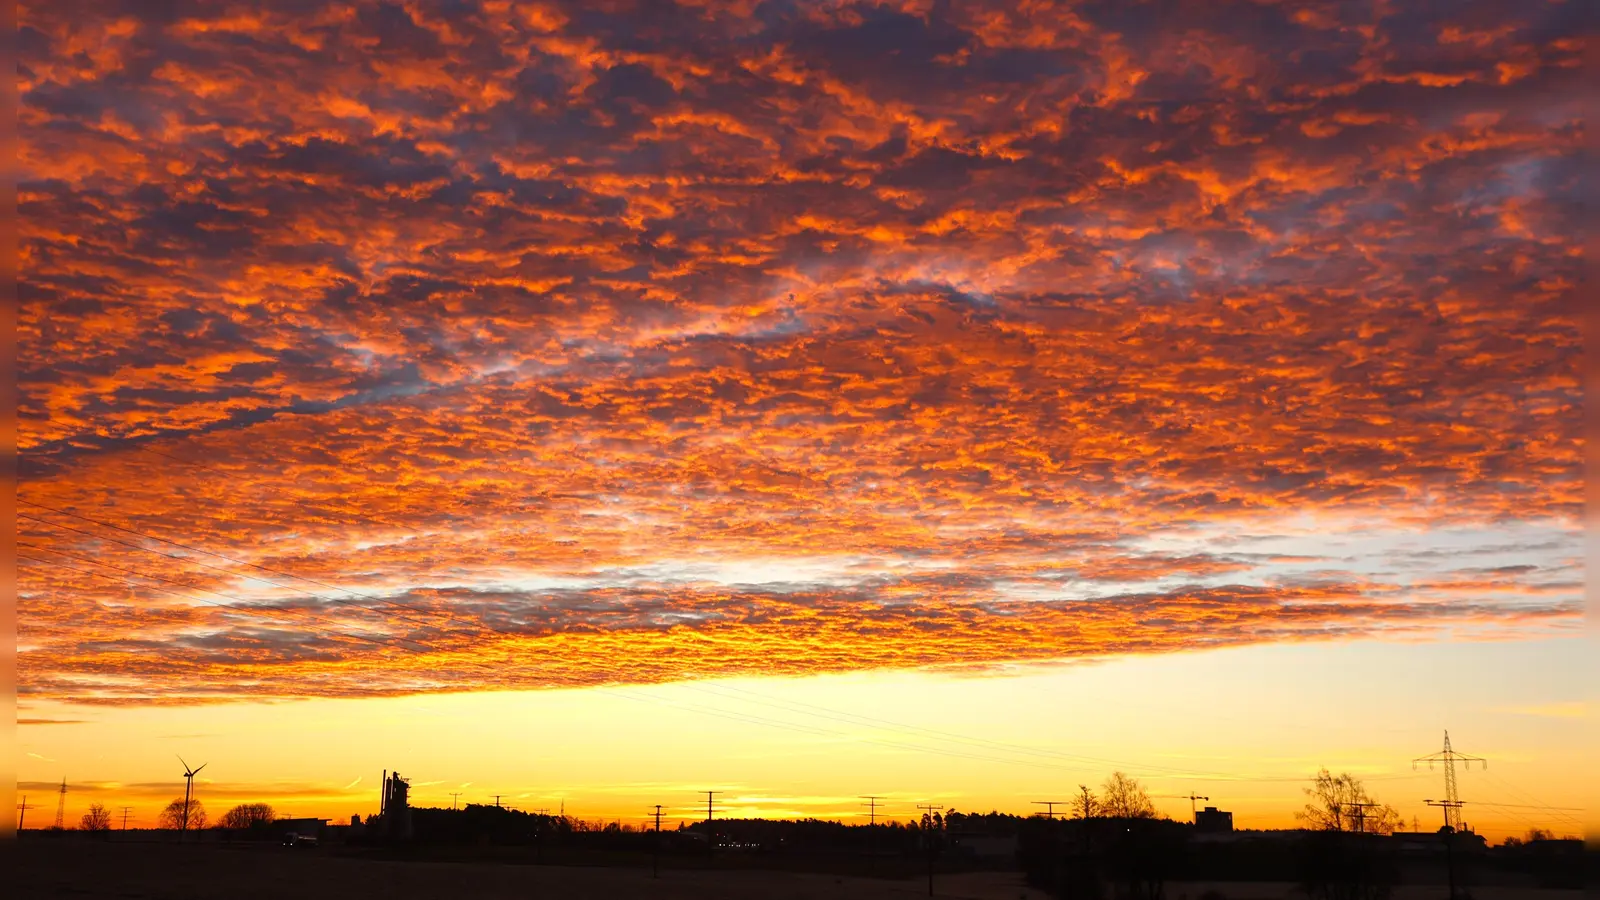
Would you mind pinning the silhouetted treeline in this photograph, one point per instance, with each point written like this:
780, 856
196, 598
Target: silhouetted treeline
499, 826
1105, 858
1090, 859
810, 835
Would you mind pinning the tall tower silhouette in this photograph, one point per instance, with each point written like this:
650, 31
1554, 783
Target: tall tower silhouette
1452, 796
61, 807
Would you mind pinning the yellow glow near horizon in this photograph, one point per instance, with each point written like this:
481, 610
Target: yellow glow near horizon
1227, 724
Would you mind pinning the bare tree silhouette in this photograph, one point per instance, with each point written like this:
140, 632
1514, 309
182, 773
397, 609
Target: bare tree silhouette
247, 815
172, 816
1341, 803
1123, 797
98, 818
1085, 806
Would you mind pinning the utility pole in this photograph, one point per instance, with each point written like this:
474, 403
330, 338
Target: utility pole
711, 831
1452, 812
453, 796
61, 807
125, 811
655, 858
22, 811
1360, 815
872, 805
1050, 806
928, 812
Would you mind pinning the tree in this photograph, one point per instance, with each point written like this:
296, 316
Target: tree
98, 818
172, 816
1085, 805
246, 815
1341, 803
1122, 797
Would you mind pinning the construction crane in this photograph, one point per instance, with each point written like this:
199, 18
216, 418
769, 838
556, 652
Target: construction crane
1191, 797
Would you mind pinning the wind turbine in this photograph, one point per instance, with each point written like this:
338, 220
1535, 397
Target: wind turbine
188, 793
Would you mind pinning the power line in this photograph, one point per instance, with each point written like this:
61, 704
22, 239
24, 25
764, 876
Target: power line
1527, 806
858, 719
1533, 800
1149, 770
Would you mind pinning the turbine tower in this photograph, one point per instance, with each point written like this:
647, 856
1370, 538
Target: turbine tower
188, 794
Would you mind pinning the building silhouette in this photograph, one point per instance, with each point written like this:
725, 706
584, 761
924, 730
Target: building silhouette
1213, 821
395, 816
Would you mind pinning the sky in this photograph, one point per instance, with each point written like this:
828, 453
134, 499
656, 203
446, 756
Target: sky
596, 403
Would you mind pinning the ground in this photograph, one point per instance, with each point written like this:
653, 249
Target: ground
89, 870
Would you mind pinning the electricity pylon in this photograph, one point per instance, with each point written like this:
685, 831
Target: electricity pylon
61, 807
1452, 797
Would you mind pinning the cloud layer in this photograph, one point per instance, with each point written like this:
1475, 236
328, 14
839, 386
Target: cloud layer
567, 344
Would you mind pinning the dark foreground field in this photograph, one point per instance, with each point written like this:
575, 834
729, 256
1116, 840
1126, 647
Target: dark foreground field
154, 871
88, 870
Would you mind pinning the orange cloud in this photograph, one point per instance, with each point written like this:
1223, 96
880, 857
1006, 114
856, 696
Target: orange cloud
779, 341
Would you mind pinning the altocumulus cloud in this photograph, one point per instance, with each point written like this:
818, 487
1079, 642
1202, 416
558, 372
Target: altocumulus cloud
566, 344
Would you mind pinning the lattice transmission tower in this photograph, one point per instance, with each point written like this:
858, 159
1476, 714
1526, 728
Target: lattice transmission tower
1452, 796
